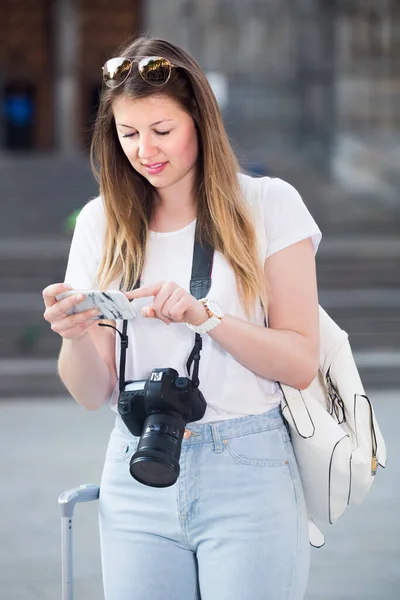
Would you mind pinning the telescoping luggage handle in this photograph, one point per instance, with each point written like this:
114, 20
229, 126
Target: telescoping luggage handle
66, 502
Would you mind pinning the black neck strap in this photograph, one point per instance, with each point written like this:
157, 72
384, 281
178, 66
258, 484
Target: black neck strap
200, 283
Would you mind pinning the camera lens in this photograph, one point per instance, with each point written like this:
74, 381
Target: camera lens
156, 461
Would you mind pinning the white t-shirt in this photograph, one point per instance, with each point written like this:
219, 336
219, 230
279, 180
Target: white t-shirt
230, 389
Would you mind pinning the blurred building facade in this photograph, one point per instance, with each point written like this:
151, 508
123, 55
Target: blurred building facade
314, 83
51, 54
307, 73
321, 77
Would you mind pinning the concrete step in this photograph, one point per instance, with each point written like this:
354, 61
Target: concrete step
42, 190
30, 378
29, 265
341, 209
353, 273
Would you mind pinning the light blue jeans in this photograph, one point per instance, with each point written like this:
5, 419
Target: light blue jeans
233, 527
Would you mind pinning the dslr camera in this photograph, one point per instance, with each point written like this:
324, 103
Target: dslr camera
157, 409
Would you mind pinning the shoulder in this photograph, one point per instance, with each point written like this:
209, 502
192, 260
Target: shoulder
281, 216
91, 221
86, 245
90, 227
260, 191
93, 212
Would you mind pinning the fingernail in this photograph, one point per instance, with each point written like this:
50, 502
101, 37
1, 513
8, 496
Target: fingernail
94, 313
79, 297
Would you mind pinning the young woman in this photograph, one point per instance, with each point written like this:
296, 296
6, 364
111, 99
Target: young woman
234, 525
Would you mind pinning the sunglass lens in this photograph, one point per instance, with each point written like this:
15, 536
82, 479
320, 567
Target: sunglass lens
116, 71
155, 70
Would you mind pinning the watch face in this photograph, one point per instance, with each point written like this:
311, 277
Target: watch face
215, 308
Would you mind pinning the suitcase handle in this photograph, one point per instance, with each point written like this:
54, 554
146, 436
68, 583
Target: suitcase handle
66, 502
83, 493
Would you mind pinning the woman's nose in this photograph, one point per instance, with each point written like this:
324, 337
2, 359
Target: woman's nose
146, 149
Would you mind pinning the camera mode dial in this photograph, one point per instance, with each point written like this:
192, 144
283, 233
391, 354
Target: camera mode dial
181, 383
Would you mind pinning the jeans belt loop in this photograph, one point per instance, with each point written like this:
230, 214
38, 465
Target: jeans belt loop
218, 448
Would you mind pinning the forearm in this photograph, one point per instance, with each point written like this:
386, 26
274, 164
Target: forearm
284, 356
84, 373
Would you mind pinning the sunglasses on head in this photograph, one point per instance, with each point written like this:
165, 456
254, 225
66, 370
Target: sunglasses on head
155, 70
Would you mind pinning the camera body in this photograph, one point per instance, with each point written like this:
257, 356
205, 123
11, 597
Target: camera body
157, 409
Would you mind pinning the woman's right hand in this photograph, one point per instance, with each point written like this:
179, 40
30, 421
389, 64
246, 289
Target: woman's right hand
70, 327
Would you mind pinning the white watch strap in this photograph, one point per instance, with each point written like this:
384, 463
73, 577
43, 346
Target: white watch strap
206, 326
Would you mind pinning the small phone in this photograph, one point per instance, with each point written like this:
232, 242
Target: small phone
112, 304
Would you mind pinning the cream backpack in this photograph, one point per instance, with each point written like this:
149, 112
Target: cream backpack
335, 435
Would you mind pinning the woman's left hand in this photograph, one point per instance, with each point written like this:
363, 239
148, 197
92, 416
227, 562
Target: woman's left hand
171, 304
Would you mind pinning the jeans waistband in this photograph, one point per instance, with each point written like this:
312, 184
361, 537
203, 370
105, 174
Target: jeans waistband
208, 432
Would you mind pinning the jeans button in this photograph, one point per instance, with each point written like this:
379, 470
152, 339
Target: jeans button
187, 434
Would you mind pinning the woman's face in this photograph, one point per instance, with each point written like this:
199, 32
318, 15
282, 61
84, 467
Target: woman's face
158, 137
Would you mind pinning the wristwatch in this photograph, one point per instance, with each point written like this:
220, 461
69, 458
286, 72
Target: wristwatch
215, 314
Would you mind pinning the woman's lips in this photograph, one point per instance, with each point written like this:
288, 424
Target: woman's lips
155, 168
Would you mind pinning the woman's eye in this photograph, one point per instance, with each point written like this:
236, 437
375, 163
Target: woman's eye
129, 135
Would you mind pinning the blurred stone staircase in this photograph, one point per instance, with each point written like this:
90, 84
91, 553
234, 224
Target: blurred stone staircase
359, 286
358, 283
28, 347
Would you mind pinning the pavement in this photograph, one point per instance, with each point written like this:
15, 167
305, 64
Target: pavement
48, 446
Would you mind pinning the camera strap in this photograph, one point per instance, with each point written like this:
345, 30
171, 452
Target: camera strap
200, 283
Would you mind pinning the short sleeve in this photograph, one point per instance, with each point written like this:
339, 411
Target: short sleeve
86, 246
286, 217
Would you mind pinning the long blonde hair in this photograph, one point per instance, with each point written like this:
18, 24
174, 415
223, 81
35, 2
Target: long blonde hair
223, 216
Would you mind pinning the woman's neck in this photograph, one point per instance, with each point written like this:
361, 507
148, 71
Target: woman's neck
173, 209
171, 218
